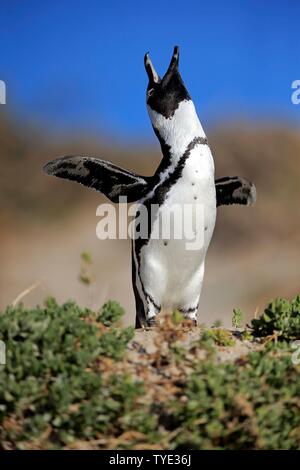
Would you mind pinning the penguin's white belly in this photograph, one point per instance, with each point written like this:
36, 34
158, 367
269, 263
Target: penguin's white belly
172, 269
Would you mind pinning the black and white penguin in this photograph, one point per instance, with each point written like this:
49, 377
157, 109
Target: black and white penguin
165, 274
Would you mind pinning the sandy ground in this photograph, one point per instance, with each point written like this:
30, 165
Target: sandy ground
146, 342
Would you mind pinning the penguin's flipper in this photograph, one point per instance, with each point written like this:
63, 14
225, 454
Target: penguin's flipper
235, 190
101, 175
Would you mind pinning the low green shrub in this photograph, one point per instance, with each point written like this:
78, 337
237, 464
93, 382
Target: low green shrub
52, 378
71, 380
280, 317
218, 336
249, 404
110, 313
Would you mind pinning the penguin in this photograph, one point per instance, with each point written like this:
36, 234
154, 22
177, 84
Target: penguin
165, 274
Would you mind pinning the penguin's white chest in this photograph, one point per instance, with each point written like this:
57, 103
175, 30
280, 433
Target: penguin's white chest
172, 262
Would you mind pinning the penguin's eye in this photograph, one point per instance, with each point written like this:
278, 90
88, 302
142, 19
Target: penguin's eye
150, 92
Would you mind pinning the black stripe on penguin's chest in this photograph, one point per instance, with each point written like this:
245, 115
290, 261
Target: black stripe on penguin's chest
162, 190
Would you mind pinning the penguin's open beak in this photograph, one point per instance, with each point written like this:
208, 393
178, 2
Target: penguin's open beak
151, 72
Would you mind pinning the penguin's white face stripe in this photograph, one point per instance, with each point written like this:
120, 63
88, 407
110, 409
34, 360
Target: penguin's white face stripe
178, 130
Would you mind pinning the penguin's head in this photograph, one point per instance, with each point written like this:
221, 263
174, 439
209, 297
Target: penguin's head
165, 95
170, 107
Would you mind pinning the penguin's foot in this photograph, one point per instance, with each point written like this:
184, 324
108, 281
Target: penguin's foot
192, 322
151, 322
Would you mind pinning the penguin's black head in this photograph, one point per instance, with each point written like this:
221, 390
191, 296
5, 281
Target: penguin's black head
164, 95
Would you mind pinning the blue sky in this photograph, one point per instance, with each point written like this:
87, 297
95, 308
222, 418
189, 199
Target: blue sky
78, 65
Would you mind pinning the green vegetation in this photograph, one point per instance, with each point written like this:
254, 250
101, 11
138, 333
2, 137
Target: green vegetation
237, 318
51, 383
250, 404
85, 274
281, 318
217, 323
72, 379
219, 336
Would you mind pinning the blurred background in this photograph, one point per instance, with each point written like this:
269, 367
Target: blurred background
76, 85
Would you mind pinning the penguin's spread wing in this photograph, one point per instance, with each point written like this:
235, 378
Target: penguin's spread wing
235, 190
101, 175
